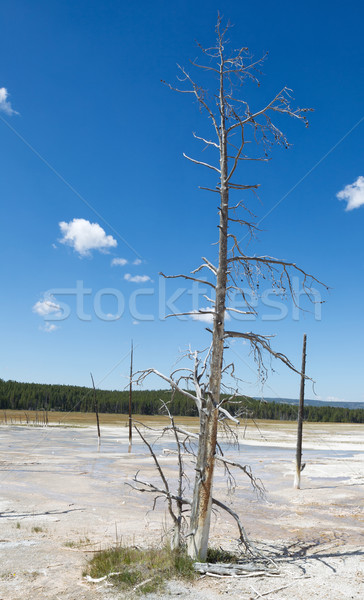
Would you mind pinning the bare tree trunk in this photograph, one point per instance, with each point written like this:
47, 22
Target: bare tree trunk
234, 125
130, 399
96, 409
202, 493
202, 496
297, 478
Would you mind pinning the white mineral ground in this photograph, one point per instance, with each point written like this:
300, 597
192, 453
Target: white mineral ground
60, 498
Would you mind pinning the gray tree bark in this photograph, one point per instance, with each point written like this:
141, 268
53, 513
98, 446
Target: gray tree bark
234, 125
201, 505
297, 478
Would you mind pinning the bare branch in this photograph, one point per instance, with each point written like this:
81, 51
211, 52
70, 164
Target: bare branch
160, 471
228, 415
238, 154
199, 96
169, 380
270, 263
256, 483
257, 340
150, 487
199, 162
208, 265
238, 186
200, 187
206, 68
187, 277
241, 312
243, 537
208, 142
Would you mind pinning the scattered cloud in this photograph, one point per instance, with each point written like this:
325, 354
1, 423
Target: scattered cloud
5, 105
137, 261
233, 341
136, 322
84, 236
137, 278
334, 399
48, 327
205, 316
353, 194
47, 306
119, 262
112, 317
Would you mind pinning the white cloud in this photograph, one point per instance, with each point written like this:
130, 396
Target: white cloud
5, 105
205, 316
137, 261
112, 317
353, 194
49, 327
47, 306
334, 399
137, 278
84, 236
136, 322
119, 262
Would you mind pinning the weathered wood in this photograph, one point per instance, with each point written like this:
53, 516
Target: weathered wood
229, 116
233, 569
297, 478
96, 410
166, 491
201, 504
130, 398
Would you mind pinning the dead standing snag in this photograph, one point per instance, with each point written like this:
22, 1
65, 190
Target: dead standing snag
96, 410
239, 133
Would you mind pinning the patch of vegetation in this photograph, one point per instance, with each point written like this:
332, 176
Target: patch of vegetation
37, 529
218, 555
144, 571
81, 542
27, 397
18, 525
32, 574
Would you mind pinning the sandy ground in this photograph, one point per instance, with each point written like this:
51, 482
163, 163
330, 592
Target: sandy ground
61, 498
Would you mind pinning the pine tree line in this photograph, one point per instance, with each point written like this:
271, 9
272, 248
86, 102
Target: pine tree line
65, 398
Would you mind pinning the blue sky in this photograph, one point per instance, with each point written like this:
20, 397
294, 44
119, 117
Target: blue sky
92, 171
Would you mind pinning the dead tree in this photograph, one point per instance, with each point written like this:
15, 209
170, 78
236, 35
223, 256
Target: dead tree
178, 503
297, 478
239, 134
96, 410
130, 399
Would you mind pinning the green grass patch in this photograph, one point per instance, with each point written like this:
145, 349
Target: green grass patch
81, 542
146, 570
218, 555
37, 529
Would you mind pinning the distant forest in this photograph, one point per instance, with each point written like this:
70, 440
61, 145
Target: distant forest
66, 398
